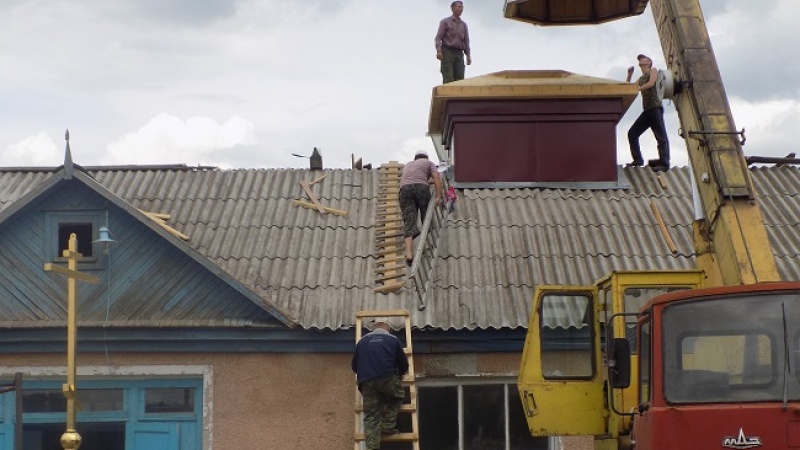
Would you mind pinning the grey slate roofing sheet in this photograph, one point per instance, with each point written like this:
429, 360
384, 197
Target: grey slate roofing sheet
498, 246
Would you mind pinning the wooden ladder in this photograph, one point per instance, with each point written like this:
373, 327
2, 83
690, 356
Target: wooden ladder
390, 264
408, 380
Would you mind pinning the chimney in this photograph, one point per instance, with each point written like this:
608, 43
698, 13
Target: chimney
316, 160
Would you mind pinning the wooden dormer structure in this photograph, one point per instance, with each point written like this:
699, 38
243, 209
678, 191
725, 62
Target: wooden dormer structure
530, 128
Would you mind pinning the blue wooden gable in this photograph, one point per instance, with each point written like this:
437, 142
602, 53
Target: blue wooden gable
148, 277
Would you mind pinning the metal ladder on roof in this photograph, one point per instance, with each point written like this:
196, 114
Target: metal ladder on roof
426, 251
408, 381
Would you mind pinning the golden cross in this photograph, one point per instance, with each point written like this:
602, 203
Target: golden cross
71, 440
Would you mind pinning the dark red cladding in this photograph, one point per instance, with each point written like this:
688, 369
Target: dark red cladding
540, 140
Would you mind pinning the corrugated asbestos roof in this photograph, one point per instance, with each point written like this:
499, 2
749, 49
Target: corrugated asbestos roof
498, 246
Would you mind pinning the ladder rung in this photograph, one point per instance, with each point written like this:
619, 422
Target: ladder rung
387, 259
405, 408
399, 437
390, 287
390, 242
390, 226
389, 268
382, 253
385, 278
382, 313
388, 235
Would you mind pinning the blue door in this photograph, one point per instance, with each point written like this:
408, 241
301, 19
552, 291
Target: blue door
7, 421
151, 436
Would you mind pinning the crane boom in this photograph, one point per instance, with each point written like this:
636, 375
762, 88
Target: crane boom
733, 222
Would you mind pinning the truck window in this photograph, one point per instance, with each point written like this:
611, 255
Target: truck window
566, 336
730, 350
634, 300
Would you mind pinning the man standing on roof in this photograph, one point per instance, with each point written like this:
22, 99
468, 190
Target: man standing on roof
415, 195
379, 361
652, 117
452, 43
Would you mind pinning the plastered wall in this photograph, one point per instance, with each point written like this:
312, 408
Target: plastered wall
265, 401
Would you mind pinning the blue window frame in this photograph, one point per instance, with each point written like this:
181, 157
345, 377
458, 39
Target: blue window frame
114, 414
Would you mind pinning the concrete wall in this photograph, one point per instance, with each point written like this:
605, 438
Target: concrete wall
281, 401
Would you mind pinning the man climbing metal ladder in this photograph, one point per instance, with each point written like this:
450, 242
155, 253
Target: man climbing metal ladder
384, 371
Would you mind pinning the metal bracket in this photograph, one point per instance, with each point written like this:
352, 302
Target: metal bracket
694, 134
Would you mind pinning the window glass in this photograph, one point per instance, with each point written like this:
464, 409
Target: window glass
519, 435
169, 400
89, 400
484, 417
730, 348
438, 418
100, 400
484, 412
83, 234
711, 365
566, 337
635, 299
43, 400
94, 435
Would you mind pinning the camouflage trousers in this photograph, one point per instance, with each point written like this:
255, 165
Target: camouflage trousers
413, 199
382, 401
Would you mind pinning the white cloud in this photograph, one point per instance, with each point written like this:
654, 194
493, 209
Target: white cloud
328, 74
767, 124
36, 150
412, 146
166, 138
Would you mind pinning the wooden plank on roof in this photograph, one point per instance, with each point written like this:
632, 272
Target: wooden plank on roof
313, 197
160, 220
305, 204
663, 227
318, 179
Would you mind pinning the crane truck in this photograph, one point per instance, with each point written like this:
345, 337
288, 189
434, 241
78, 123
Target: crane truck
692, 359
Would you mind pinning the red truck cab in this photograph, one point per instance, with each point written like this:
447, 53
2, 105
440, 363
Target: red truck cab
720, 368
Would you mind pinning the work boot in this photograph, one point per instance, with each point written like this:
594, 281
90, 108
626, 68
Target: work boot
658, 165
390, 431
635, 164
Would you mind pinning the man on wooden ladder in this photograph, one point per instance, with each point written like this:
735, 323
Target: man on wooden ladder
379, 363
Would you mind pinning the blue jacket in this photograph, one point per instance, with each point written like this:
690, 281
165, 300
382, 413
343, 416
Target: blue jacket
378, 354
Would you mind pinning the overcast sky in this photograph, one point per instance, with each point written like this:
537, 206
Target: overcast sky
244, 84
